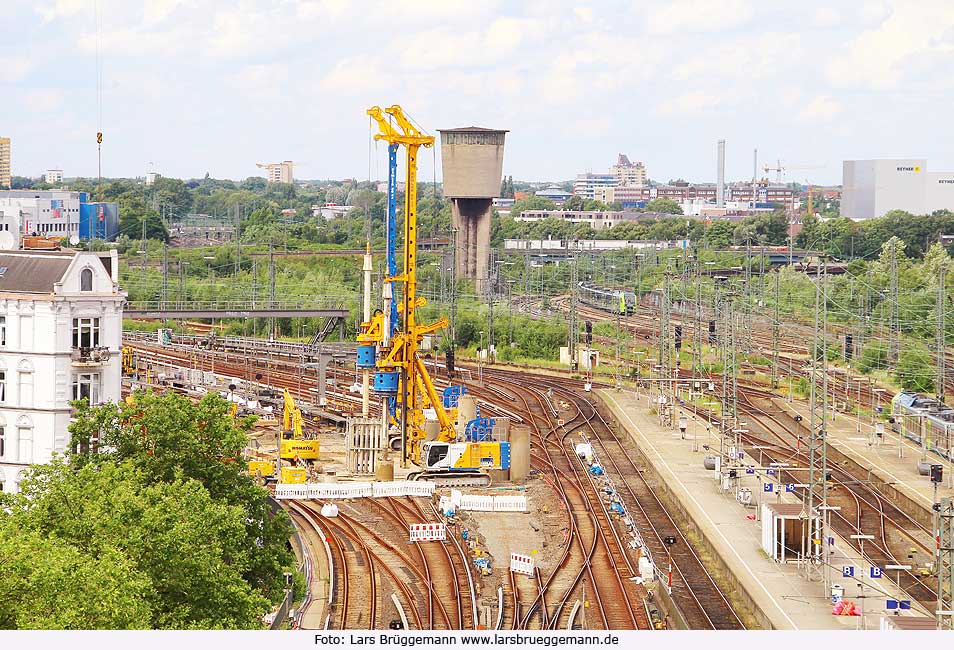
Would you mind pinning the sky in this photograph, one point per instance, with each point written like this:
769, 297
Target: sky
195, 86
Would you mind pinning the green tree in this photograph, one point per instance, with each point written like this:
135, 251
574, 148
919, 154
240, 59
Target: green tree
533, 202
48, 583
191, 548
573, 203
663, 205
915, 369
168, 438
132, 214
172, 194
873, 357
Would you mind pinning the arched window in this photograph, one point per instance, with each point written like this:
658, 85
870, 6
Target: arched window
86, 280
25, 383
25, 439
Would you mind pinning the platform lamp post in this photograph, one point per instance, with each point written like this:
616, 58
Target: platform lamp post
899, 568
875, 404
861, 543
858, 381
480, 367
639, 378
823, 543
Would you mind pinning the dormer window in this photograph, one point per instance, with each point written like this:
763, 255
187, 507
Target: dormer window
86, 280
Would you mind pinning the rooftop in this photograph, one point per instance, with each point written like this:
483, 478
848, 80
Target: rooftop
473, 129
35, 271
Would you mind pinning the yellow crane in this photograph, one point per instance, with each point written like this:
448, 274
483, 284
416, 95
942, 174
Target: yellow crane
294, 446
399, 369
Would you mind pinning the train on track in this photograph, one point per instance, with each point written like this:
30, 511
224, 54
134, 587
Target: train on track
925, 421
617, 301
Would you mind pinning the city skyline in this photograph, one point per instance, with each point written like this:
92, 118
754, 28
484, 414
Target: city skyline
190, 88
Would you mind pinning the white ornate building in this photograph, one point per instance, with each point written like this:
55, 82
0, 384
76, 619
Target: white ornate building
60, 339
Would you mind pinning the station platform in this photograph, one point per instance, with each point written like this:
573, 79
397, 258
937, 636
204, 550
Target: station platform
782, 595
892, 458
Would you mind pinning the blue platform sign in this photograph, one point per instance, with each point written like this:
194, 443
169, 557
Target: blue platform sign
767, 487
890, 604
847, 572
750, 470
771, 472
789, 487
875, 572
905, 604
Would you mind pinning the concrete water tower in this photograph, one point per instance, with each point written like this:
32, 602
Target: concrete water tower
472, 166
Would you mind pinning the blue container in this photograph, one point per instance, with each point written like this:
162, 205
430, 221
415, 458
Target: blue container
504, 455
366, 356
386, 382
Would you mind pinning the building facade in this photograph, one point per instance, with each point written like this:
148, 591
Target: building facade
870, 188
586, 185
598, 220
6, 171
54, 213
60, 339
628, 173
554, 193
54, 176
282, 172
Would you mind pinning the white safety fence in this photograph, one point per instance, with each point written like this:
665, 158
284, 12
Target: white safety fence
427, 532
354, 490
520, 563
482, 503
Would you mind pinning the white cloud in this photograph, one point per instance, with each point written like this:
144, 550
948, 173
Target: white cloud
44, 100
57, 9
357, 75
678, 16
14, 68
690, 103
914, 36
826, 17
823, 108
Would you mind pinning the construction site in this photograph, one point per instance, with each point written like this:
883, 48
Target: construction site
696, 460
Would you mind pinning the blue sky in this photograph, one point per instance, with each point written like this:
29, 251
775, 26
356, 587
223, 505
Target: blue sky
192, 86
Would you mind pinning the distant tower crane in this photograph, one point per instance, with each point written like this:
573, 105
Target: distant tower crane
779, 168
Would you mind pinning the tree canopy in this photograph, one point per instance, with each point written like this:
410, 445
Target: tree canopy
158, 528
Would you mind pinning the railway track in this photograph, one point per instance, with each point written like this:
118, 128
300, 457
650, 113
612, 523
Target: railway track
701, 601
863, 510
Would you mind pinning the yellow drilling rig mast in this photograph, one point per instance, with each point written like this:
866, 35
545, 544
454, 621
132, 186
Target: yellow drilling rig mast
391, 347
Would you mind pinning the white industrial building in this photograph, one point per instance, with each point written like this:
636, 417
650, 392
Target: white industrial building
870, 188
60, 339
49, 213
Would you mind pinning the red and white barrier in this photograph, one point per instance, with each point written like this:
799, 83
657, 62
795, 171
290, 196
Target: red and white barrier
520, 563
354, 490
428, 533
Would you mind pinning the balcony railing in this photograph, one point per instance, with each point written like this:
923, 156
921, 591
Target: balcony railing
91, 356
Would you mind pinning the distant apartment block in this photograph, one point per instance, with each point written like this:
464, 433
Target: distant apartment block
586, 185
152, 177
870, 188
282, 172
54, 176
628, 173
595, 219
6, 177
623, 174
767, 196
